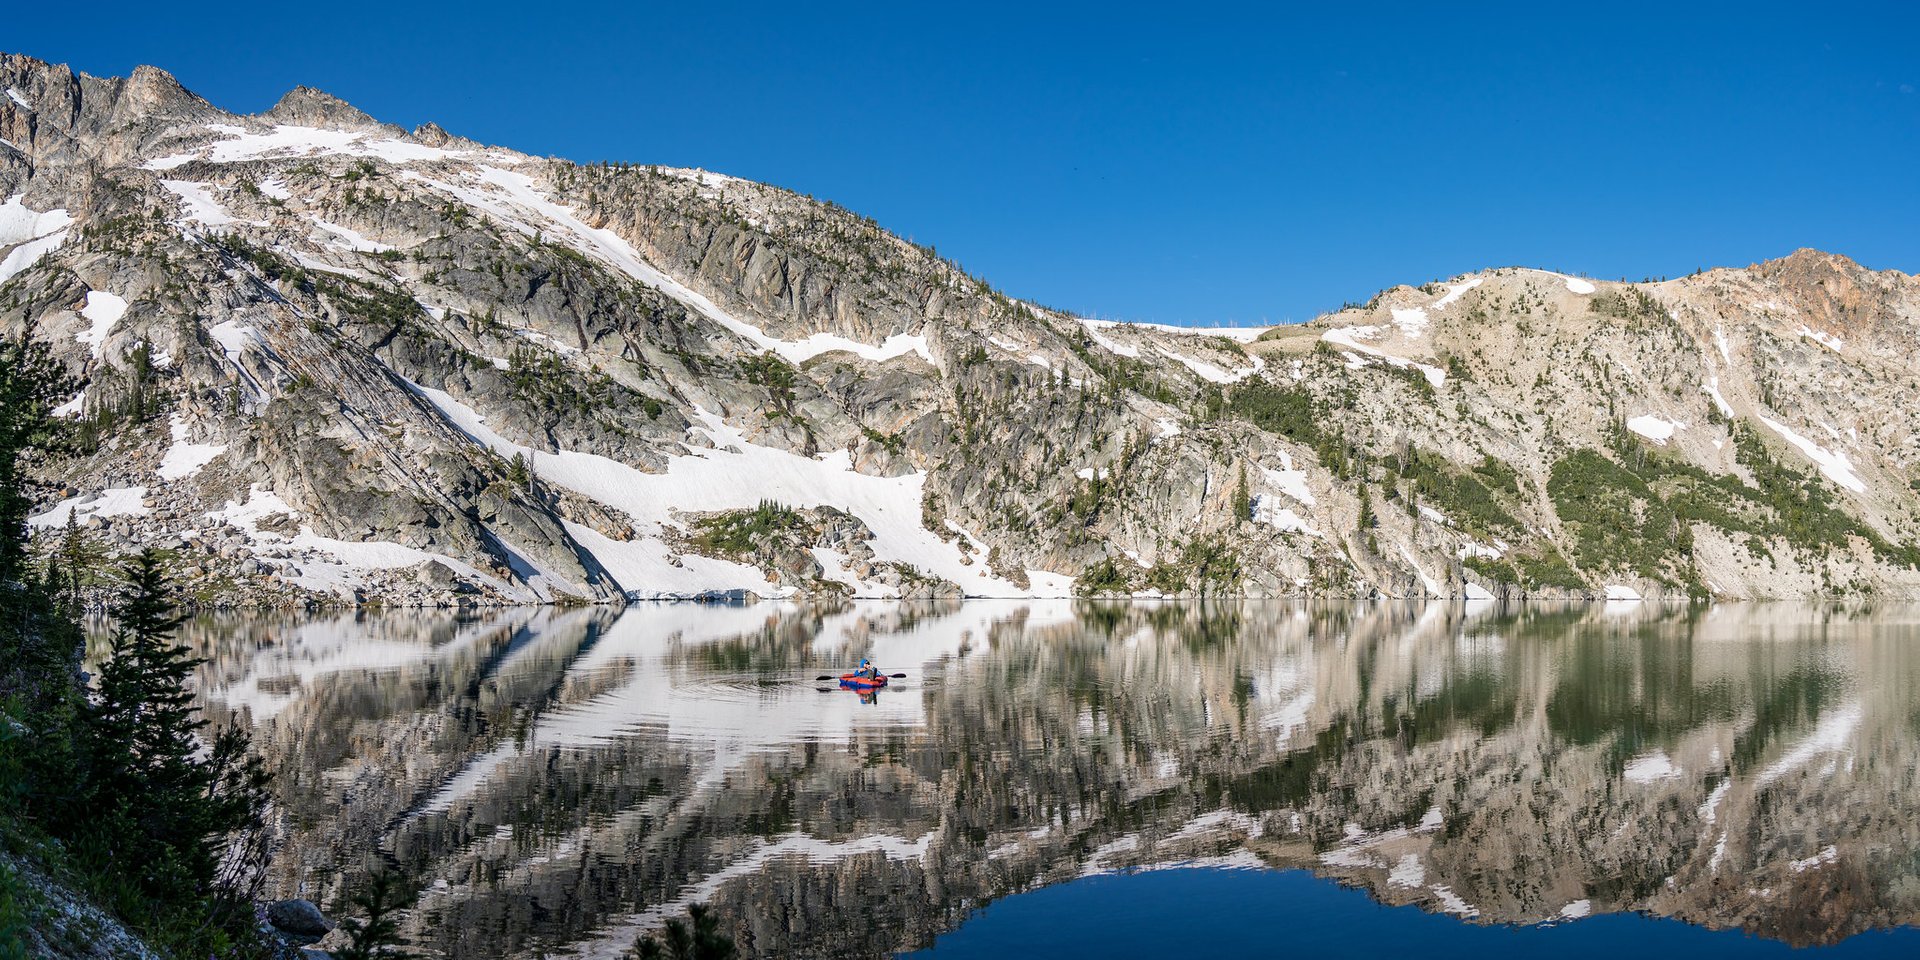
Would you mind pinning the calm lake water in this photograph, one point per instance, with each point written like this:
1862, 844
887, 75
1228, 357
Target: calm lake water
1104, 780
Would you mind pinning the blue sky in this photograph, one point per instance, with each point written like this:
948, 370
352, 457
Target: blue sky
1175, 162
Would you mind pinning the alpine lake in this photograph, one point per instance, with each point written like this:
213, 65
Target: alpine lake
1061, 778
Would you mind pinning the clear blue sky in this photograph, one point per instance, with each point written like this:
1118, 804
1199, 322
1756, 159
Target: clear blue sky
1174, 162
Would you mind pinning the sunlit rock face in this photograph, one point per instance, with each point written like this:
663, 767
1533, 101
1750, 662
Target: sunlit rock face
568, 779
329, 361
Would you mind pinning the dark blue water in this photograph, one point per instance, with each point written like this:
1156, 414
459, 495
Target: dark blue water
1256, 913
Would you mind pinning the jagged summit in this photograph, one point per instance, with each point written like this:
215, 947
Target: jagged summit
326, 358
307, 107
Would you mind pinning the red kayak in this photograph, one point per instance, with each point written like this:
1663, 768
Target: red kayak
853, 681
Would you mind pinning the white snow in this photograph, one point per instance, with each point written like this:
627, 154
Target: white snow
337, 566
1409, 872
30, 233
1455, 291
111, 502
1576, 910
1712, 389
1434, 516
1349, 337
185, 458
1411, 322
1654, 428
1104, 343
1710, 808
1824, 339
1451, 903
1166, 427
1831, 735
201, 206
234, 338
73, 407
1211, 373
1828, 855
1720, 338
294, 141
276, 189
1282, 519
1651, 767
737, 474
1833, 463
1433, 819
354, 239
1475, 591
1293, 483
104, 310
512, 199
1238, 334
1617, 591
1574, 284
20, 99
1090, 473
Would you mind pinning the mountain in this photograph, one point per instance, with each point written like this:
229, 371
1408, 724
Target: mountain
328, 359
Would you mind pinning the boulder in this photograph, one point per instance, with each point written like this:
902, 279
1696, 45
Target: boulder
300, 918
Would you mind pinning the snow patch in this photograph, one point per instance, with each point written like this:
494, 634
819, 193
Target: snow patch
1831, 735
738, 474
1349, 337
111, 502
354, 239
1712, 389
1829, 855
1654, 428
1293, 483
200, 205
104, 310
1834, 464
31, 233
1651, 768
1617, 591
184, 458
1824, 339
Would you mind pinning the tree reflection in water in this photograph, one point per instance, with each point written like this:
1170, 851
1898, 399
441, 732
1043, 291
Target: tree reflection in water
565, 779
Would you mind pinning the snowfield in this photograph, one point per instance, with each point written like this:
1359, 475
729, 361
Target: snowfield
1654, 428
737, 474
31, 234
1833, 463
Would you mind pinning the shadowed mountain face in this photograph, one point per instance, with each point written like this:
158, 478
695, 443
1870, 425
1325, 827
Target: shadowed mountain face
564, 780
329, 359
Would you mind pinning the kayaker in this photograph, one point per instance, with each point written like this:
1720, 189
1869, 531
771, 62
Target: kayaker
867, 670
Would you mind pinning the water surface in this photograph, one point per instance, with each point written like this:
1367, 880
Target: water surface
1734, 780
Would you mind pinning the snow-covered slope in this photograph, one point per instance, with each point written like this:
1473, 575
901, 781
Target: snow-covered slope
325, 355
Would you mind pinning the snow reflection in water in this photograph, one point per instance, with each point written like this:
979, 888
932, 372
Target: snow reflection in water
562, 779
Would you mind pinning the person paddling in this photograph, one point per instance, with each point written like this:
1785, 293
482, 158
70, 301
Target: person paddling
867, 670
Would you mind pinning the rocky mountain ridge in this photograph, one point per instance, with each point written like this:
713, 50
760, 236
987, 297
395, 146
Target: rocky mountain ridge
328, 360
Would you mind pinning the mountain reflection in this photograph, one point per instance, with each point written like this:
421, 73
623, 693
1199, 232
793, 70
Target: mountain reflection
560, 780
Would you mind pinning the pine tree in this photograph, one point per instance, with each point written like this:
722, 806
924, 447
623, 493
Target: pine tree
700, 939
378, 936
171, 814
1242, 500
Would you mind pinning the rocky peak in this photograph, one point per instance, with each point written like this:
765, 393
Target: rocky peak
433, 135
307, 107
